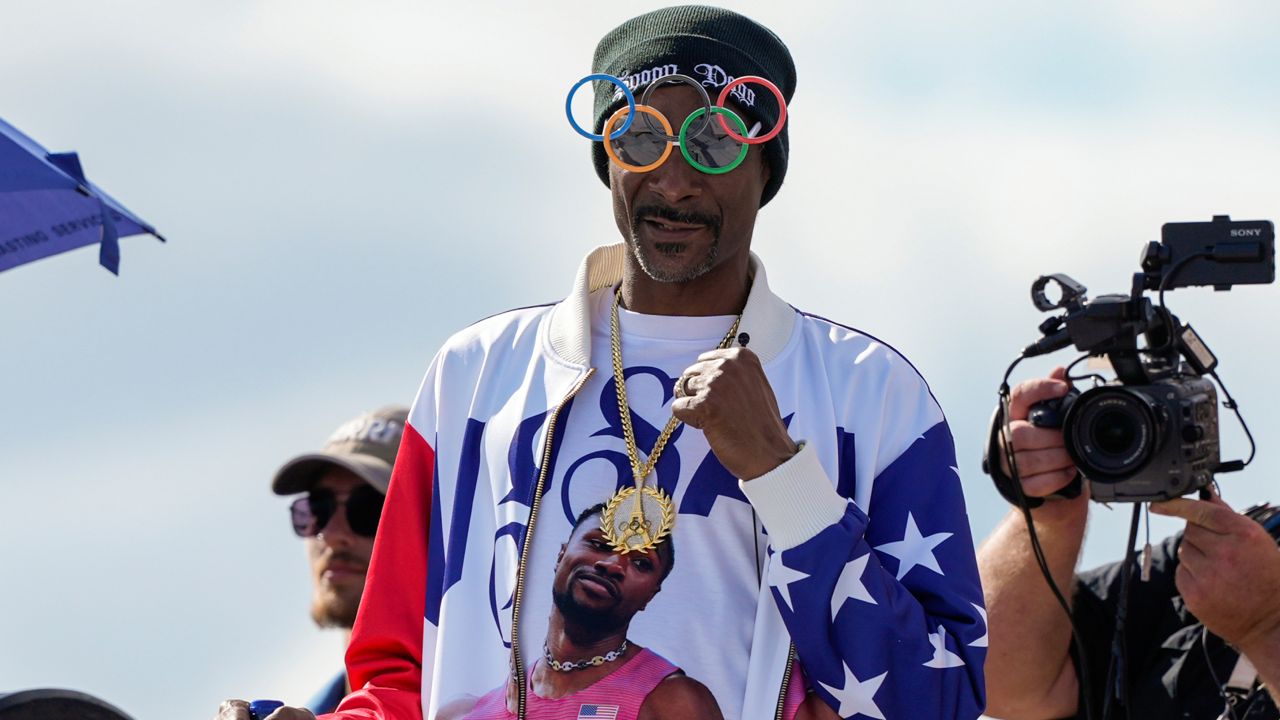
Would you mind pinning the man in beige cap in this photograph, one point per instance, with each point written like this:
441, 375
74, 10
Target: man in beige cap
344, 484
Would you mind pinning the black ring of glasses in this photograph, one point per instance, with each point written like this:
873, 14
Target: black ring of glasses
674, 78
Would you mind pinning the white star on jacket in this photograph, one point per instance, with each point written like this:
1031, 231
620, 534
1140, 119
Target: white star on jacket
849, 586
915, 549
781, 577
982, 641
942, 657
856, 696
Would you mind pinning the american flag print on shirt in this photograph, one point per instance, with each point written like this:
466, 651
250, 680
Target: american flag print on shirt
598, 712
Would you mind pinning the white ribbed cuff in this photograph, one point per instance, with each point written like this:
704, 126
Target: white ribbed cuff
796, 500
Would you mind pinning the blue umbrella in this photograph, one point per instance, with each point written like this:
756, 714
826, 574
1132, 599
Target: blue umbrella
47, 206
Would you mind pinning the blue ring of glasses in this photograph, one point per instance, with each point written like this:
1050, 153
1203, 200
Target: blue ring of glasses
626, 91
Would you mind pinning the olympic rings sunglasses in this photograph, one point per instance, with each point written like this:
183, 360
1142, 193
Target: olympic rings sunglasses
312, 513
711, 147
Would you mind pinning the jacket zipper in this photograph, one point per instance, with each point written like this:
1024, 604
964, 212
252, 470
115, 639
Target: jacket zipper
517, 662
786, 683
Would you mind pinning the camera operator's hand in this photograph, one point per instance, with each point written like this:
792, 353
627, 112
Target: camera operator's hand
1041, 454
239, 710
1228, 571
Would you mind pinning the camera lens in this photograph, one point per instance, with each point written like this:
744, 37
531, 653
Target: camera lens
1113, 432
1110, 433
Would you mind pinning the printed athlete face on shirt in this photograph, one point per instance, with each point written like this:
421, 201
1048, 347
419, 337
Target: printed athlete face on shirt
598, 590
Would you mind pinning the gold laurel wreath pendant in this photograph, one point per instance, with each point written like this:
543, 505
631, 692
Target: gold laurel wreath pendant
653, 514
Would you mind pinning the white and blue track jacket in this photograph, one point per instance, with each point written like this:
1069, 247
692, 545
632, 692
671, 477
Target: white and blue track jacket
869, 571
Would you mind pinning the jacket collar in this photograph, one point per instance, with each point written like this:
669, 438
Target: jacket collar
766, 318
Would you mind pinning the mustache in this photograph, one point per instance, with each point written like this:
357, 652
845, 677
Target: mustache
345, 557
665, 212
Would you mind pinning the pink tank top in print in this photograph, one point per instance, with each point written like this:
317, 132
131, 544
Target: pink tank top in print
795, 691
616, 696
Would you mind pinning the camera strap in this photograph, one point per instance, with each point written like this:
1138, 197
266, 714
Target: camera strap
1117, 685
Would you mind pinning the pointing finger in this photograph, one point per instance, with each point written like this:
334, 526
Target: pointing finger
1214, 517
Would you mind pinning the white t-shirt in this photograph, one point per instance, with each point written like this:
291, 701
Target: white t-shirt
715, 575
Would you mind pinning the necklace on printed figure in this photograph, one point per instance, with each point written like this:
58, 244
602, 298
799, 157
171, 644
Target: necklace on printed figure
650, 515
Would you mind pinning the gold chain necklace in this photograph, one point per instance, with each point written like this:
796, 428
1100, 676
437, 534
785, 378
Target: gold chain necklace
638, 532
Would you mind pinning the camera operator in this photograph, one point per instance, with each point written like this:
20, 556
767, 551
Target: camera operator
1202, 636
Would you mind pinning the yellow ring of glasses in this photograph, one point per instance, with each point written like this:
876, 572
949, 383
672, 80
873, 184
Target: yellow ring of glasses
608, 146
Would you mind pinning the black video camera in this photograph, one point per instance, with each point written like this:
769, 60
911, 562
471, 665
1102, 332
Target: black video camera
1152, 433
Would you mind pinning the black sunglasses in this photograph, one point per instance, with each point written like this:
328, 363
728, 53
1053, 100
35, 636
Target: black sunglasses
312, 513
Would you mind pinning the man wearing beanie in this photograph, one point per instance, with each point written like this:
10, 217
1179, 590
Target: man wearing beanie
826, 562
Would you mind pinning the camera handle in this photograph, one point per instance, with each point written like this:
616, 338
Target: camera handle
1052, 412
1048, 413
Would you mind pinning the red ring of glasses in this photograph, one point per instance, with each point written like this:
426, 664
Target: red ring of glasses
782, 109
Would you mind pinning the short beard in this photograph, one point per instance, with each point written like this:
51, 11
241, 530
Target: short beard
334, 612
642, 257
580, 622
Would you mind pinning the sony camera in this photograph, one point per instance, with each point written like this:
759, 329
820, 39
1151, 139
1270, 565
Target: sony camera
1152, 432
1140, 442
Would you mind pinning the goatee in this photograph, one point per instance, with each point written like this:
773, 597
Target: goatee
588, 620
662, 212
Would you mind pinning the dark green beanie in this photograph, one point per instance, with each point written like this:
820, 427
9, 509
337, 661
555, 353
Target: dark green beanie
709, 44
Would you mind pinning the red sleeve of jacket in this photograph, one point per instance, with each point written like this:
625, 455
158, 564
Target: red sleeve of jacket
384, 659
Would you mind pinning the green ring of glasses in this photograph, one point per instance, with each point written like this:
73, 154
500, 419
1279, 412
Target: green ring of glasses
684, 150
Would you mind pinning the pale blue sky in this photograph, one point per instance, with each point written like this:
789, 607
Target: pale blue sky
344, 184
